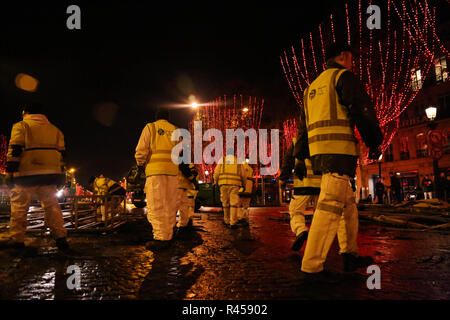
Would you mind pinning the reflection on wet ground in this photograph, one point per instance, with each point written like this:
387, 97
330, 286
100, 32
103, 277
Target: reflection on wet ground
213, 262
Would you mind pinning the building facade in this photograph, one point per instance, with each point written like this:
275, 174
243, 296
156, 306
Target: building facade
421, 146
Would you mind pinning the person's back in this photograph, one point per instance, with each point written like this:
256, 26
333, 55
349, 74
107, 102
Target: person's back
34, 170
333, 105
229, 175
154, 156
39, 145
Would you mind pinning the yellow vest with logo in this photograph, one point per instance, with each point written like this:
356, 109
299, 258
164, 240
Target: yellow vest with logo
229, 174
311, 180
41, 143
329, 130
160, 162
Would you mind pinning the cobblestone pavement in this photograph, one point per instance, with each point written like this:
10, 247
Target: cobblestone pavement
213, 262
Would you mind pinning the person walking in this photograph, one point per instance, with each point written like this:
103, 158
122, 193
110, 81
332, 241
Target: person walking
306, 190
104, 186
427, 186
187, 190
33, 171
229, 176
153, 155
333, 104
245, 195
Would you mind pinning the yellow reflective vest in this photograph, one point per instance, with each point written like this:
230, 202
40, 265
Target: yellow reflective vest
35, 147
249, 180
102, 185
329, 129
155, 149
192, 194
229, 172
183, 182
311, 180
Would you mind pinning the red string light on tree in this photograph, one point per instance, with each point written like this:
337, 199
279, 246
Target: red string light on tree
241, 112
3, 152
386, 59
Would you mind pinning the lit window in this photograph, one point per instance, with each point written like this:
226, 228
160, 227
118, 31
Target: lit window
440, 67
404, 149
416, 79
421, 145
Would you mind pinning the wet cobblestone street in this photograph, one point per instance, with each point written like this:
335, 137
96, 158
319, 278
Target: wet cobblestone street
212, 262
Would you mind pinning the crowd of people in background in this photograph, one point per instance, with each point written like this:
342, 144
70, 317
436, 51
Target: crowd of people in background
428, 187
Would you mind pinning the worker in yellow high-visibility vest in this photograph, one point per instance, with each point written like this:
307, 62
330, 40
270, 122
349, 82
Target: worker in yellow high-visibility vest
187, 190
245, 195
333, 104
306, 190
103, 186
34, 170
153, 152
229, 176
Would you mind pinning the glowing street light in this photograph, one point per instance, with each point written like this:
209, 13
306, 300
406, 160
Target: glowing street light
245, 109
431, 112
194, 105
72, 170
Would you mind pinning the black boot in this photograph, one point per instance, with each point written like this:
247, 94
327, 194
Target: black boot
323, 276
299, 241
243, 222
352, 262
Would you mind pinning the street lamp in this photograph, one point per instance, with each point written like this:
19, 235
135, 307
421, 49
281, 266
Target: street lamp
431, 112
431, 115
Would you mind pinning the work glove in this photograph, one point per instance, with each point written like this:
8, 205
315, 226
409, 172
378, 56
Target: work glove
300, 169
374, 153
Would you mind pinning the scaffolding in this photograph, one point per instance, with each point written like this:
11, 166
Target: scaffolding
82, 214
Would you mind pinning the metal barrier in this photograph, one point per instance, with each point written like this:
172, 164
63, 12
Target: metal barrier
83, 213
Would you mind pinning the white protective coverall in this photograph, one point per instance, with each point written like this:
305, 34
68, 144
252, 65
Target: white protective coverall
186, 198
245, 195
229, 176
34, 157
154, 150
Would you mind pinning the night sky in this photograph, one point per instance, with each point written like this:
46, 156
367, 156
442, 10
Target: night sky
101, 84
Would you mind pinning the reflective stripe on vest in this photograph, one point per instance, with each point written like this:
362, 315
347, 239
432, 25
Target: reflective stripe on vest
41, 152
329, 130
160, 162
229, 174
311, 180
